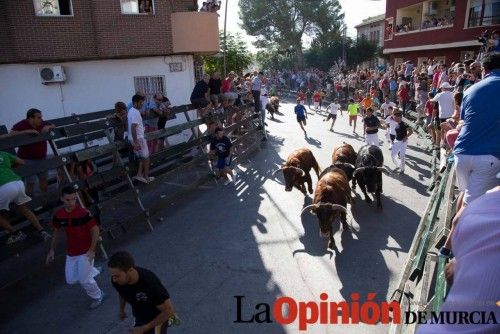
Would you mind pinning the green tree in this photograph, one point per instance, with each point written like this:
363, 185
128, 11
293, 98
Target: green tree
238, 58
274, 59
282, 24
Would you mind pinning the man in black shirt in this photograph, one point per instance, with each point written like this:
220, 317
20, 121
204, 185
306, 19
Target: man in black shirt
371, 125
221, 147
140, 288
199, 96
214, 86
403, 131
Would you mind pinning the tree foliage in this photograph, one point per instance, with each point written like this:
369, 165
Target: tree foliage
356, 52
238, 58
281, 24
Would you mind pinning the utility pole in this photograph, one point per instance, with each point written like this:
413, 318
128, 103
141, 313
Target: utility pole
225, 41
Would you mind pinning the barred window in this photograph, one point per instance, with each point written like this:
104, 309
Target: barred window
198, 72
150, 85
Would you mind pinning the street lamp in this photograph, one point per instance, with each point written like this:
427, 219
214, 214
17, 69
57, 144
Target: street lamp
225, 44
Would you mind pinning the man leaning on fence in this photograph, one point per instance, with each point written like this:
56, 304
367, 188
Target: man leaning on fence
33, 154
477, 148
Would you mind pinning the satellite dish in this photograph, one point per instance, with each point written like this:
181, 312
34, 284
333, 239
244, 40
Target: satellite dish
47, 74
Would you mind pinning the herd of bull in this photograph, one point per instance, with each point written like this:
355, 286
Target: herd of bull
332, 191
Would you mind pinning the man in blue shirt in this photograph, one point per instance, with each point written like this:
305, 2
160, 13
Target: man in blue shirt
477, 149
300, 111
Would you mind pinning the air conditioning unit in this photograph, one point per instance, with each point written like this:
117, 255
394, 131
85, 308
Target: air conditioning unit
52, 74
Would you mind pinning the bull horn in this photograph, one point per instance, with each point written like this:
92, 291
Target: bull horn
360, 169
345, 164
335, 206
277, 170
310, 206
299, 169
384, 169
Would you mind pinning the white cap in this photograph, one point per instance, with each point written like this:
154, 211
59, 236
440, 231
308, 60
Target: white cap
446, 85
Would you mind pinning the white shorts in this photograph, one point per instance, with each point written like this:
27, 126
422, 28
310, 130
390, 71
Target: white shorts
476, 174
79, 269
143, 151
372, 139
13, 192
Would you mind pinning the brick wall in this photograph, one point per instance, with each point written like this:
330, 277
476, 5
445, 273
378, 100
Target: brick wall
96, 30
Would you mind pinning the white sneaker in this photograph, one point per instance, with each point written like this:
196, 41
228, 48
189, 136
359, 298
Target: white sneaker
150, 179
97, 302
140, 179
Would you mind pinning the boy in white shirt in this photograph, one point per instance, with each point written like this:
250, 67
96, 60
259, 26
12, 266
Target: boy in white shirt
332, 112
391, 127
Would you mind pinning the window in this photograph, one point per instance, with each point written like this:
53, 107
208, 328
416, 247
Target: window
137, 7
483, 13
150, 86
53, 7
198, 72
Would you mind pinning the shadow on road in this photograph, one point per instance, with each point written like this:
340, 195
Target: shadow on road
362, 256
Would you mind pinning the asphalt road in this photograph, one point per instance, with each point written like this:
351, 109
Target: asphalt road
249, 240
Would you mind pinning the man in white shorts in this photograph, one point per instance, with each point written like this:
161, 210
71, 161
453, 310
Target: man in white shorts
136, 138
391, 127
12, 190
371, 125
82, 234
332, 109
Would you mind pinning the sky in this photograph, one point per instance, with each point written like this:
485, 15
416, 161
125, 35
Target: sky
351, 8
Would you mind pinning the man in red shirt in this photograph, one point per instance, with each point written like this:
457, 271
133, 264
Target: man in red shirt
33, 153
82, 233
404, 97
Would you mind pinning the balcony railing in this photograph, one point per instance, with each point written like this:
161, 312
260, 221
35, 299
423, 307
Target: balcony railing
195, 33
423, 29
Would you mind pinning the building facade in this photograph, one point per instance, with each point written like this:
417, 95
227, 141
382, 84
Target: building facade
444, 30
372, 29
77, 56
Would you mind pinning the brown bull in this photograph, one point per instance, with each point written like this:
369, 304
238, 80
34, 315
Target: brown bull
343, 157
330, 201
296, 170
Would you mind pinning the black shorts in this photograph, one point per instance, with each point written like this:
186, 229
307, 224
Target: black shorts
438, 121
301, 119
330, 116
200, 103
162, 121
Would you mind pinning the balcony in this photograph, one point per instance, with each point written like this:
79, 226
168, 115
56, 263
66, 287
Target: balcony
424, 16
195, 33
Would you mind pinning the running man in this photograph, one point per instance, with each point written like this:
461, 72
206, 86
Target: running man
82, 234
317, 100
371, 125
300, 112
332, 109
143, 290
352, 110
403, 131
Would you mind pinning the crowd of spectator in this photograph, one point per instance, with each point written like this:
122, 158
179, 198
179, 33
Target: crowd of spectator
428, 23
211, 6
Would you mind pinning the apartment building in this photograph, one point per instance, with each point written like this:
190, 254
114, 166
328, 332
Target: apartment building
77, 56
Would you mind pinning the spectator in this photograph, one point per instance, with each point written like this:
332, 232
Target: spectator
256, 88
428, 112
475, 271
165, 113
33, 154
119, 121
214, 88
443, 76
143, 290
371, 125
12, 191
82, 234
221, 147
403, 96
316, 100
136, 137
408, 70
148, 115
228, 90
403, 131
264, 101
393, 88
200, 96
477, 149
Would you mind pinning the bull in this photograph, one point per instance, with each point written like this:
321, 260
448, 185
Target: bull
331, 196
296, 170
343, 157
368, 172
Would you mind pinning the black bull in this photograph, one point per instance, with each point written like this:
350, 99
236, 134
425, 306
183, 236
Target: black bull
368, 172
